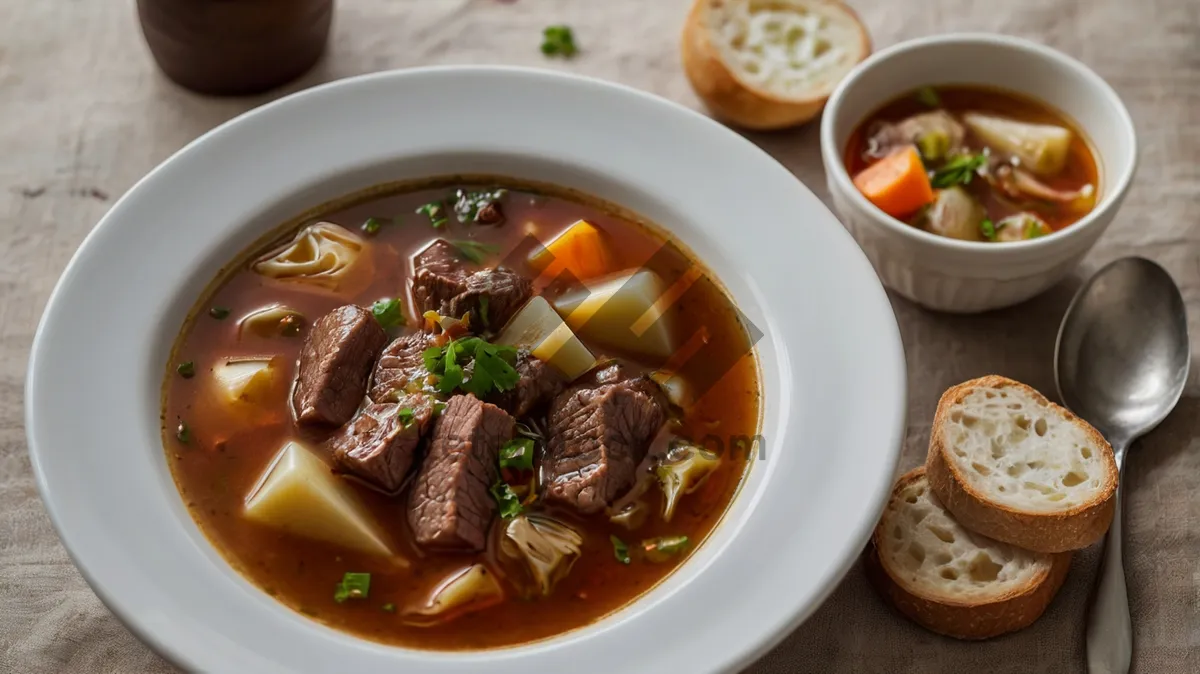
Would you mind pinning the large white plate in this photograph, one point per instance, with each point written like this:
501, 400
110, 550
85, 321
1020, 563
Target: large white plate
832, 362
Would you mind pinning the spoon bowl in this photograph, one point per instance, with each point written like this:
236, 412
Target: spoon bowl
1121, 362
1122, 355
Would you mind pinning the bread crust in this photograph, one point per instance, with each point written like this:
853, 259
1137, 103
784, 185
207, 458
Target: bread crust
964, 620
1071, 529
733, 100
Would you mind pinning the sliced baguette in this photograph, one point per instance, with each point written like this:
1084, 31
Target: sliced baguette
769, 64
953, 581
1014, 466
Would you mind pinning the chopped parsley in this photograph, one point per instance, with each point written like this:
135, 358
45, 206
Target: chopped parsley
510, 505
1033, 229
353, 586
988, 229
434, 211
558, 41
958, 170
475, 251
186, 369
492, 366
407, 416
517, 454
928, 97
438, 408
182, 433
388, 608
219, 313
372, 225
474, 206
620, 550
662, 548
389, 312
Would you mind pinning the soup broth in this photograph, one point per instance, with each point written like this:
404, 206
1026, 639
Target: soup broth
219, 451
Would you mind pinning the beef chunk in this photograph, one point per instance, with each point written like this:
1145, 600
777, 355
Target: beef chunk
599, 431
400, 369
442, 282
378, 446
449, 506
335, 363
538, 385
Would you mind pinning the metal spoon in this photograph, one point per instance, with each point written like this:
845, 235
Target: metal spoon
1121, 362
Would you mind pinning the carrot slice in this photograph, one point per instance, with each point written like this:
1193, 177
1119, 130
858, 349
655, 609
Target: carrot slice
582, 249
897, 184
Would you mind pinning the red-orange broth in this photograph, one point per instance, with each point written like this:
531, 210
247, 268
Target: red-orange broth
225, 455
1080, 169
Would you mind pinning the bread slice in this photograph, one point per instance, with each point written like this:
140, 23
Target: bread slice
769, 64
1014, 466
951, 580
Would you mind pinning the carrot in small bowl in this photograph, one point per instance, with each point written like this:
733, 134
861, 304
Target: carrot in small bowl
897, 184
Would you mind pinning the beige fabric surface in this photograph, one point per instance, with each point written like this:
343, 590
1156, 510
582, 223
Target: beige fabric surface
84, 114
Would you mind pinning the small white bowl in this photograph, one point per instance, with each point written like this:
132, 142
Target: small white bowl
963, 276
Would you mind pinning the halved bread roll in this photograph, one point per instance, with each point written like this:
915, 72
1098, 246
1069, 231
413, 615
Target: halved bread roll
951, 580
1014, 466
769, 64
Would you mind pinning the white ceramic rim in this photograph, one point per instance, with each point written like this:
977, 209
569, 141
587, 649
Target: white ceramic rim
832, 350
832, 154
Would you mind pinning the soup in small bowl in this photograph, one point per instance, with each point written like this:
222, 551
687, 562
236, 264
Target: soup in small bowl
975, 170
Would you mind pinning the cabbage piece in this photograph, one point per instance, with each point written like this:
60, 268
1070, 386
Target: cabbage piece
632, 515
299, 494
683, 471
955, 214
624, 312
470, 589
675, 387
1020, 227
322, 255
1041, 148
272, 321
540, 329
663, 548
246, 381
936, 134
548, 548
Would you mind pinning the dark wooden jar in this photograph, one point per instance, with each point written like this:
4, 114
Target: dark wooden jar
232, 47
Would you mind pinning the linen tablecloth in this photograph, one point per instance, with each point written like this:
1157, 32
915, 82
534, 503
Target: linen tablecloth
84, 113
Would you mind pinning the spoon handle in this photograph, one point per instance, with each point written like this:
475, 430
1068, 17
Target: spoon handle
1109, 632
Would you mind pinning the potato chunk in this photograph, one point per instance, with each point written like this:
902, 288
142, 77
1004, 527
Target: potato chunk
299, 494
245, 381
540, 329
1041, 148
622, 312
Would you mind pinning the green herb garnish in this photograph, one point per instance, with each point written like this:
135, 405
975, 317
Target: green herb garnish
620, 550
958, 170
928, 97
663, 548
475, 251
388, 312
510, 505
558, 41
407, 416
527, 431
492, 371
433, 211
388, 608
469, 205
438, 408
183, 433
353, 586
1033, 229
517, 454
988, 229
372, 225
186, 369
219, 313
